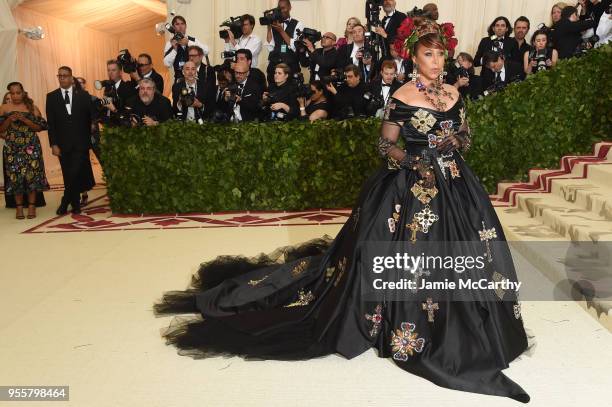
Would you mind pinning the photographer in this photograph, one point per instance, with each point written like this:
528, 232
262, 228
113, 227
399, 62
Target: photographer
244, 95
281, 37
348, 98
175, 51
360, 54
567, 34
145, 70
280, 103
149, 107
222, 110
244, 55
498, 41
380, 90
402, 66
390, 23
323, 60
248, 40
542, 57
604, 29
188, 95
500, 72
116, 90
205, 74
317, 106
463, 77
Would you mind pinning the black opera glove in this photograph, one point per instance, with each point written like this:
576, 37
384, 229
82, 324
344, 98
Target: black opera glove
456, 141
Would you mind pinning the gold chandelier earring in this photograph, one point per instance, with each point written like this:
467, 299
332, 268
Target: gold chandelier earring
415, 73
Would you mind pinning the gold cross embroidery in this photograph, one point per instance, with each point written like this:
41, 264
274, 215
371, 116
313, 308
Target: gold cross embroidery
430, 307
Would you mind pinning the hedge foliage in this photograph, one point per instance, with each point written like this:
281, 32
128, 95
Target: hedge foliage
185, 167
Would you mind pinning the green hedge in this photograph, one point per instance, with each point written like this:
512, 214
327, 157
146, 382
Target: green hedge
533, 123
178, 167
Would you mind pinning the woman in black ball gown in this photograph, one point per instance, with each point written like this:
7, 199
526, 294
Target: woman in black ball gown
306, 301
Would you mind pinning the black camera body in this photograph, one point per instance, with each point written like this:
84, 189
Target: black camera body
270, 16
336, 79
540, 58
586, 44
233, 90
177, 36
372, 12
126, 61
187, 97
303, 89
235, 26
373, 102
310, 34
462, 72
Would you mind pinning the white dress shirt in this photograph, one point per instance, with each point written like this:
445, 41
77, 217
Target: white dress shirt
356, 48
299, 26
169, 59
251, 42
604, 30
68, 106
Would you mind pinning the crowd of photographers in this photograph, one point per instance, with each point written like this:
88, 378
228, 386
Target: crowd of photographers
352, 76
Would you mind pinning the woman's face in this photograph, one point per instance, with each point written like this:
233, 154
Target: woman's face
280, 76
555, 14
540, 41
430, 62
316, 94
464, 63
16, 94
500, 28
7, 99
574, 17
350, 24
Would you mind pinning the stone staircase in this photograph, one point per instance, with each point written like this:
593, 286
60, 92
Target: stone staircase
561, 221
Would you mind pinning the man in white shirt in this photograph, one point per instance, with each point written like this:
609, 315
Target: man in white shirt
604, 29
248, 40
390, 23
175, 51
281, 39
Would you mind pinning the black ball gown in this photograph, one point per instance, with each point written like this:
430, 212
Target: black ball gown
305, 301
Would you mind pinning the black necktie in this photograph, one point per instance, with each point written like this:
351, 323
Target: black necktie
497, 76
66, 98
386, 85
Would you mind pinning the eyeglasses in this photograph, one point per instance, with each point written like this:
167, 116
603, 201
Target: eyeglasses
60, 76
328, 37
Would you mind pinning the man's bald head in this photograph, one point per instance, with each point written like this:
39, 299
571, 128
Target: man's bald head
241, 70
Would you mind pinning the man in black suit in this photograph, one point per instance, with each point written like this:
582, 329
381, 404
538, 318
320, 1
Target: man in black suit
245, 55
119, 90
325, 59
384, 86
500, 72
145, 70
348, 98
498, 41
189, 84
280, 40
205, 75
69, 115
390, 23
248, 97
357, 54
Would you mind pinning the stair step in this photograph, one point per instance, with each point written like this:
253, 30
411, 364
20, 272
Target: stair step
586, 195
565, 218
601, 174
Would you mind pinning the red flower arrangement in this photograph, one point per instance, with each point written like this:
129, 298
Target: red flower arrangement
408, 35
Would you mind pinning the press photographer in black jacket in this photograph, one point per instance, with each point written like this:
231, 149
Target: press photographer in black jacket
500, 72
323, 60
567, 34
149, 107
188, 94
348, 98
280, 102
463, 77
498, 41
317, 106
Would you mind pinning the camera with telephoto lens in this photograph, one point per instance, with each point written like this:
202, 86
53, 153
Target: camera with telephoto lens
309, 34
126, 61
235, 26
373, 102
270, 16
127, 118
232, 88
372, 12
499, 86
586, 45
187, 97
336, 79
177, 36
539, 57
109, 96
303, 90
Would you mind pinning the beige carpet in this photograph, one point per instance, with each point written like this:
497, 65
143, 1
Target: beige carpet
76, 310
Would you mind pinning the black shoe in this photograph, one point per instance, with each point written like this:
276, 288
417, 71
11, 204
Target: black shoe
76, 209
62, 210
